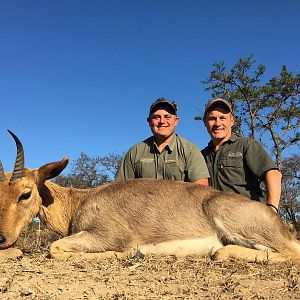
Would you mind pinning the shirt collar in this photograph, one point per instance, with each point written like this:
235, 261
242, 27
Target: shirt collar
232, 139
172, 143
170, 147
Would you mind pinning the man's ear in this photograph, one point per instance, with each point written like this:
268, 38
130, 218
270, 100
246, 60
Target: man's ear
232, 119
51, 170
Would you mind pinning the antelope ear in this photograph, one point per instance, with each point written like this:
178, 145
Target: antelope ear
52, 170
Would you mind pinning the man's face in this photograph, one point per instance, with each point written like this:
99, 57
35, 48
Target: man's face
162, 123
218, 122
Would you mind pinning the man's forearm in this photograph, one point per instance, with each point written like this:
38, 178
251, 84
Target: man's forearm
273, 184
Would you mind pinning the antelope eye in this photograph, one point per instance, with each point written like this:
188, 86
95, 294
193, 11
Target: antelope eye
25, 196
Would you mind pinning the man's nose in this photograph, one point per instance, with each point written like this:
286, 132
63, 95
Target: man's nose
217, 122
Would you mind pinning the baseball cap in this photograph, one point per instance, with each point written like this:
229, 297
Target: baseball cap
216, 101
163, 103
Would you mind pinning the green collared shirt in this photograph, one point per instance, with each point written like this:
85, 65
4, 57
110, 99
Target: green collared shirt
180, 160
239, 166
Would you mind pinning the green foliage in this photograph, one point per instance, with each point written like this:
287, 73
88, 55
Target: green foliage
90, 172
240, 85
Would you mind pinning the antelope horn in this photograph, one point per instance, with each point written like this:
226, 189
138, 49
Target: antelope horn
1, 172
19, 164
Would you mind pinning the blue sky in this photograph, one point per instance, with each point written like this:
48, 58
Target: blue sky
79, 76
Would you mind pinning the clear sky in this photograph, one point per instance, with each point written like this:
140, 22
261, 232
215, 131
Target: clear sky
79, 76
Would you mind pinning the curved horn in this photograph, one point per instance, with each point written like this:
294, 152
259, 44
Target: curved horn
1, 172
19, 164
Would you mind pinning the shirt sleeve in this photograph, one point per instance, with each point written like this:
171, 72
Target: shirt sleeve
257, 159
126, 169
196, 166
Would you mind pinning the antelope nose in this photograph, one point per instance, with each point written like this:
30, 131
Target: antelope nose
2, 239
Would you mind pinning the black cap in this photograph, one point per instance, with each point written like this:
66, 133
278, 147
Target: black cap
163, 103
216, 101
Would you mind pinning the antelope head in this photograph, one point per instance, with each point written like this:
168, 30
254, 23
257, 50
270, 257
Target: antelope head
20, 198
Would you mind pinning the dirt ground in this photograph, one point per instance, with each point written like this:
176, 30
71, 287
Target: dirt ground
35, 276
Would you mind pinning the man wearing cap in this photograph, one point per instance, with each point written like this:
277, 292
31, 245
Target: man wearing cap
164, 155
235, 163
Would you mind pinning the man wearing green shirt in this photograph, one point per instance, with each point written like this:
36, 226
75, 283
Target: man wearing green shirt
238, 164
164, 155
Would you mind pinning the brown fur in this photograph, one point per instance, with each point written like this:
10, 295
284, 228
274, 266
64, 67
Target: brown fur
143, 216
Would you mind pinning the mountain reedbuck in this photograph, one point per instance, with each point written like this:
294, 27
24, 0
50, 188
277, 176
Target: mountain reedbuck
140, 216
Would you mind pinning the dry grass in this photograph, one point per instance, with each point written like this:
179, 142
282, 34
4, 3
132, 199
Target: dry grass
36, 238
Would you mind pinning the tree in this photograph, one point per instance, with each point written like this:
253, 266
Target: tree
90, 172
110, 163
270, 110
